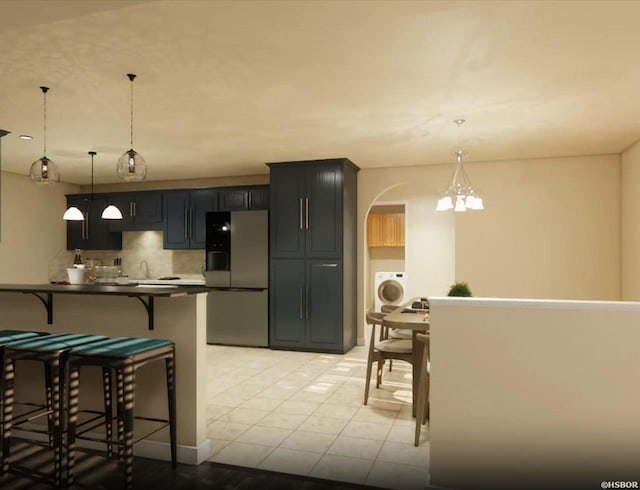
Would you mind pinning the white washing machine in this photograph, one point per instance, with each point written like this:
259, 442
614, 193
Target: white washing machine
390, 289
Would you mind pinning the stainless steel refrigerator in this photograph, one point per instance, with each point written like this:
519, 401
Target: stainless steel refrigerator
237, 268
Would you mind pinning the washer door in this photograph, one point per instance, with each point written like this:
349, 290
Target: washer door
390, 292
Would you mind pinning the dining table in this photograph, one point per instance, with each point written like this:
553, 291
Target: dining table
417, 320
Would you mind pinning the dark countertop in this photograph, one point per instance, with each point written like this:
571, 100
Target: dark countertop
160, 292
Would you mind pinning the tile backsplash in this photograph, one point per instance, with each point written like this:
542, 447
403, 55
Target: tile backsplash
138, 248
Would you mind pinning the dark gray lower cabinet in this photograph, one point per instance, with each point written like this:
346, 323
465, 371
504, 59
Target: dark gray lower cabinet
307, 313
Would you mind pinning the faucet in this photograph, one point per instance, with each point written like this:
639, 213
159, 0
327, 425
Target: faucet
145, 268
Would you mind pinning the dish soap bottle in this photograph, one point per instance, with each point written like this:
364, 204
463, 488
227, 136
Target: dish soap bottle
77, 260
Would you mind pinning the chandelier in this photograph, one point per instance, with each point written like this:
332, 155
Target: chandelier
460, 194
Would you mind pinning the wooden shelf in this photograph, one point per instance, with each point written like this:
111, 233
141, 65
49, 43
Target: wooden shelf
385, 230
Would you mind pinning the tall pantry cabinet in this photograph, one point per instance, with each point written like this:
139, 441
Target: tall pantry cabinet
312, 233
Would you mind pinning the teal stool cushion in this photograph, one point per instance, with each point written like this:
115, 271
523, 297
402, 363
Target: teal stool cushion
7, 336
56, 342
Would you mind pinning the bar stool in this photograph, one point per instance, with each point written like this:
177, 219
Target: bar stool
6, 337
53, 351
124, 355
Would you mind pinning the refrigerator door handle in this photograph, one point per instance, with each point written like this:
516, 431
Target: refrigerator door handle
300, 208
306, 212
307, 302
301, 317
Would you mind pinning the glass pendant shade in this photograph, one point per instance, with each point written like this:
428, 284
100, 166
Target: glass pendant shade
44, 171
73, 214
131, 166
111, 212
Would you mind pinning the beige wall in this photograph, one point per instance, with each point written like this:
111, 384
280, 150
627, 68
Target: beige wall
631, 223
531, 394
32, 228
551, 229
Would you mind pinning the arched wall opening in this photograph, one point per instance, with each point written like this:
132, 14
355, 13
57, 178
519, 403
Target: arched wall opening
429, 255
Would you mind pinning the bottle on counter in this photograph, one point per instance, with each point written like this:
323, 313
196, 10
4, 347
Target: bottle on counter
77, 260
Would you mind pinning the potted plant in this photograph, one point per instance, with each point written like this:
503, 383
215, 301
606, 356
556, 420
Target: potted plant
460, 288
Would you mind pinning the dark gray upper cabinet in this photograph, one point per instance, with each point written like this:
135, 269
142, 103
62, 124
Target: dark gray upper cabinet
184, 211
312, 229
306, 209
202, 201
93, 233
286, 223
243, 198
140, 211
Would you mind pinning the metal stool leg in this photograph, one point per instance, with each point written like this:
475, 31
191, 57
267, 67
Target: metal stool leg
171, 395
129, 380
7, 413
108, 409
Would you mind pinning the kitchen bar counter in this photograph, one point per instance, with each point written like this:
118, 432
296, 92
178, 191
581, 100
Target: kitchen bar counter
112, 290
143, 291
180, 315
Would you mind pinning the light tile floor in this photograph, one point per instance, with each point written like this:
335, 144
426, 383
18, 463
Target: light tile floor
302, 413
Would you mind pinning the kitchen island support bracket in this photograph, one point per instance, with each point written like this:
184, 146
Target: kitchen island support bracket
48, 304
148, 305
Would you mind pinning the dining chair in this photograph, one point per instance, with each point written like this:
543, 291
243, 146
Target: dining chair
422, 409
399, 349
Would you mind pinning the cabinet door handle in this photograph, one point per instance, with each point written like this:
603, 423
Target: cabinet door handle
301, 300
84, 223
328, 265
186, 223
307, 302
87, 222
134, 209
306, 212
300, 208
130, 209
250, 194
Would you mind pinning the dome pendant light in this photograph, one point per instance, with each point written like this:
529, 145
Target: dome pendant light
75, 214
43, 170
131, 165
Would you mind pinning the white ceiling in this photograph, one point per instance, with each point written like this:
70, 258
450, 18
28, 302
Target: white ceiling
223, 87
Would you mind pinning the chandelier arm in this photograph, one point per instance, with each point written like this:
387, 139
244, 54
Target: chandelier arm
468, 180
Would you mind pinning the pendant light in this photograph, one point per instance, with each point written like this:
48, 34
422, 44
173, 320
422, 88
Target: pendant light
459, 195
131, 165
43, 170
75, 214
